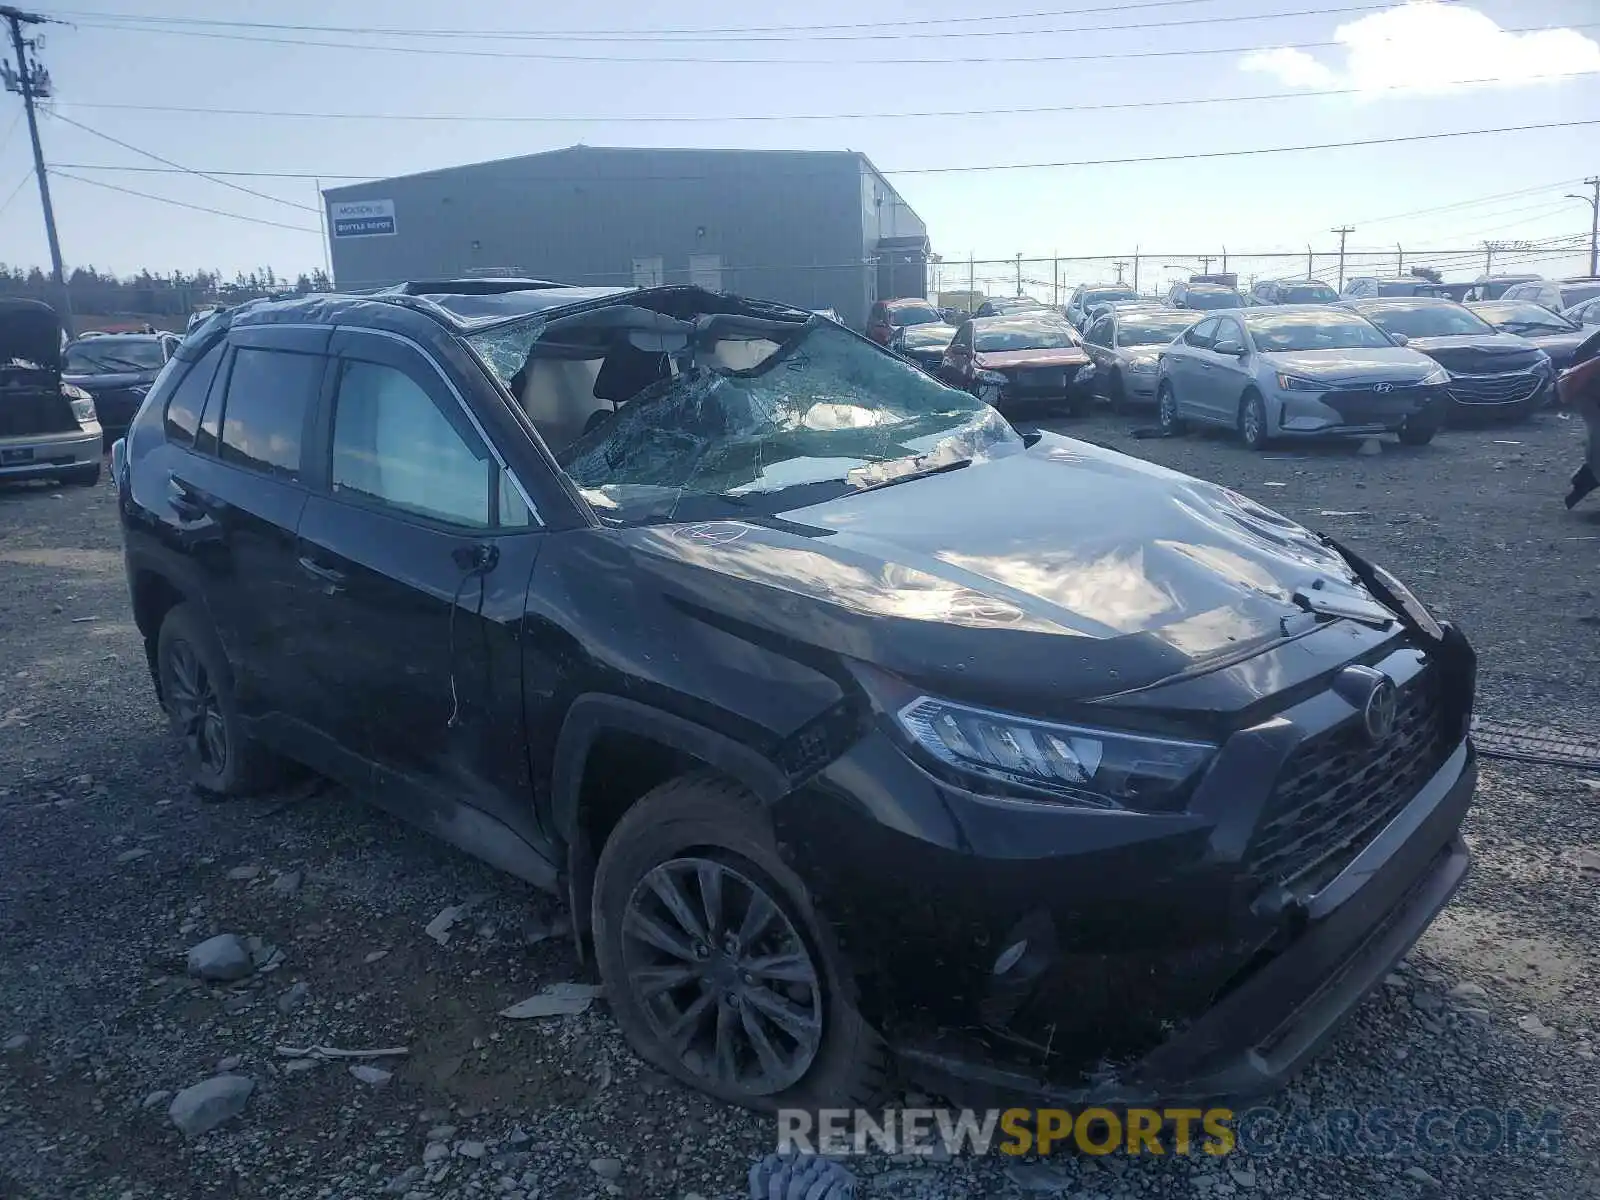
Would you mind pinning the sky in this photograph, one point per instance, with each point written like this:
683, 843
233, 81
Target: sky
1135, 79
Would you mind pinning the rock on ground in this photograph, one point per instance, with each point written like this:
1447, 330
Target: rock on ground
203, 1106
221, 959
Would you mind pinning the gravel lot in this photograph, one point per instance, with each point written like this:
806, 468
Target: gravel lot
111, 869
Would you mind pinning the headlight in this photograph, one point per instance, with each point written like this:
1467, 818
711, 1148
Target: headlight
1436, 376
1093, 768
994, 377
1142, 366
83, 410
1295, 383
1408, 601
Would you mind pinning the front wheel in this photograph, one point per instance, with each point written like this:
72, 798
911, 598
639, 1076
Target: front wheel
1253, 421
1167, 409
714, 962
1417, 434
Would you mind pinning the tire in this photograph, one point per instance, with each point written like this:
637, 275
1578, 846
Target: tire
197, 693
85, 476
1117, 391
1167, 409
1253, 421
675, 838
1417, 435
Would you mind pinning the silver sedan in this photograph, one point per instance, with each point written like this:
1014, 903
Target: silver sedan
1295, 371
1124, 345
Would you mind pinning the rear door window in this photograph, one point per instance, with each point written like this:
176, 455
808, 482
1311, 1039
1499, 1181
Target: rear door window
188, 399
269, 395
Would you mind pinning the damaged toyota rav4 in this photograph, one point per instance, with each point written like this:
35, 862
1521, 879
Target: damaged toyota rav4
865, 736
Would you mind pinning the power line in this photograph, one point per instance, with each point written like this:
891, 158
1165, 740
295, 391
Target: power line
5, 138
16, 191
176, 24
186, 170
1189, 156
724, 118
898, 60
216, 212
702, 31
1417, 212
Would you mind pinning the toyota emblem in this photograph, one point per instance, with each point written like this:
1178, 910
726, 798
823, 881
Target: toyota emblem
1382, 711
1383, 389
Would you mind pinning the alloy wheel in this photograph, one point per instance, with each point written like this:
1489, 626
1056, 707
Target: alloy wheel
196, 709
1169, 408
1251, 422
723, 977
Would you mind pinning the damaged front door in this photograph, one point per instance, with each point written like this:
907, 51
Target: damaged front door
422, 549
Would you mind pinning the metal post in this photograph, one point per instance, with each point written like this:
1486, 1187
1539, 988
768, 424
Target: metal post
1224, 260
1594, 223
1019, 272
33, 81
1488, 258
972, 282
1136, 268
1310, 263
1343, 231
1400, 254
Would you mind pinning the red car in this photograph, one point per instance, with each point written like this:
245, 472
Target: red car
888, 317
1028, 358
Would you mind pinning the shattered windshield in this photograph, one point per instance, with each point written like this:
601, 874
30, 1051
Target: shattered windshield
738, 420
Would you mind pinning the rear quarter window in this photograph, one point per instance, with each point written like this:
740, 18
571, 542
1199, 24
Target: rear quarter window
188, 398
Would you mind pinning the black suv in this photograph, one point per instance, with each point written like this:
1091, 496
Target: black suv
859, 730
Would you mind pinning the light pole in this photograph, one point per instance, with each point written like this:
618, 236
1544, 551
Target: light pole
1594, 222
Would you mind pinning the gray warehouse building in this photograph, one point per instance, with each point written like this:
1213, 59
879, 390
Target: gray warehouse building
817, 229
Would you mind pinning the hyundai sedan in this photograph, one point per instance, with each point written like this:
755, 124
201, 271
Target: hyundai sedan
1299, 370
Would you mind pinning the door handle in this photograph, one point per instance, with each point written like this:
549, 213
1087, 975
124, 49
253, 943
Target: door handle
317, 571
184, 500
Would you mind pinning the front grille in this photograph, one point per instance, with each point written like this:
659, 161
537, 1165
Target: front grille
1338, 790
1512, 387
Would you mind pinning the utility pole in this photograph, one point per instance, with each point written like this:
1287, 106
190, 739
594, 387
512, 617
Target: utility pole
1136, 268
33, 82
1120, 266
1019, 272
1594, 223
1055, 280
1488, 258
1205, 262
1343, 231
1400, 256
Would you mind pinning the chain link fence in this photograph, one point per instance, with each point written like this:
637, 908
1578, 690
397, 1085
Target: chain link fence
1051, 280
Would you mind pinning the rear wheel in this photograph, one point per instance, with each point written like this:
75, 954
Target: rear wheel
715, 962
197, 691
1167, 409
1253, 421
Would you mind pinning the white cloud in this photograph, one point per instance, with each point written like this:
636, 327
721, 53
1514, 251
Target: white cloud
1428, 46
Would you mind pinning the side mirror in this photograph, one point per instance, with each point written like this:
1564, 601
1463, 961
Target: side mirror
1399, 339
1229, 347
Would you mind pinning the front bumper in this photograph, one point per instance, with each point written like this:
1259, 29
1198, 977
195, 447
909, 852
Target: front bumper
1269, 1025
42, 456
1359, 412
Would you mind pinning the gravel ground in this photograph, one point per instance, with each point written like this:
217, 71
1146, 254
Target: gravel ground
111, 869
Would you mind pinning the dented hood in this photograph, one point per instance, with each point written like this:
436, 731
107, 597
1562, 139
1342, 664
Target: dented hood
30, 331
1084, 570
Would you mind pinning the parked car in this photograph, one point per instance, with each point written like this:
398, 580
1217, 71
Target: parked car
1554, 334
1000, 306
924, 345
886, 316
1556, 295
1492, 374
1493, 287
117, 370
1096, 311
48, 427
1292, 291
1366, 287
1203, 296
846, 719
1586, 313
1085, 296
1124, 346
1028, 359
1299, 371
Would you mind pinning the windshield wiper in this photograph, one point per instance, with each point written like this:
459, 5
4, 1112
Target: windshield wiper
109, 365
900, 470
